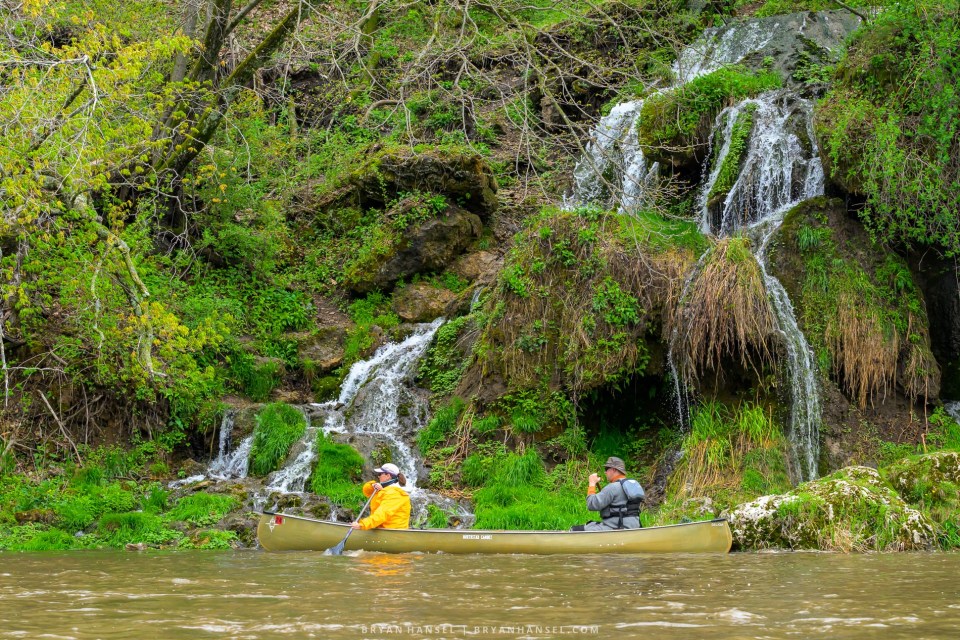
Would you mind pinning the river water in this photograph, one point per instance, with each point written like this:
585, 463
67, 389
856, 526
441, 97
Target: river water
265, 595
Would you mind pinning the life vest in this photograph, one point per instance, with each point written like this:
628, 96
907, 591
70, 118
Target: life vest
633, 494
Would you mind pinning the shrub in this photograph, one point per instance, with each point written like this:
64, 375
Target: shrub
442, 424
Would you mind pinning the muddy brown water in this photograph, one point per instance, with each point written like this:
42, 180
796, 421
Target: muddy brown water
307, 595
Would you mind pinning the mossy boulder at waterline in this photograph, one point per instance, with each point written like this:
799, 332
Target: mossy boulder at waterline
932, 482
850, 510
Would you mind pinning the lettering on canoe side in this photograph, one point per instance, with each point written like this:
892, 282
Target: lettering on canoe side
719, 524
475, 536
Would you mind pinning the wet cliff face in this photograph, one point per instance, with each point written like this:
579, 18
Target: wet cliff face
940, 281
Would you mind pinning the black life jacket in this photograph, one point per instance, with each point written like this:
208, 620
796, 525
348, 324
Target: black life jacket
629, 510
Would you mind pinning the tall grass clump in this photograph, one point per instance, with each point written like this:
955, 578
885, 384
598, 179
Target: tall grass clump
731, 454
279, 425
119, 529
337, 472
518, 493
725, 314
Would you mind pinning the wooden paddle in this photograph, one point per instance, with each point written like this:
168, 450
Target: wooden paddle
338, 549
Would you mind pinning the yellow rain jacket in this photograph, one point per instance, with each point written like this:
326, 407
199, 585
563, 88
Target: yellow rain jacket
389, 509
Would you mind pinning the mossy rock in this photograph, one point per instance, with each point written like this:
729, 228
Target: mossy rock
429, 246
927, 480
422, 302
850, 510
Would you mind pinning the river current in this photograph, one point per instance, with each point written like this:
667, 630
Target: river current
307, 595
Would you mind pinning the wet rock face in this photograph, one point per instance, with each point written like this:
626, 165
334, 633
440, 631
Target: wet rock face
851, 510
430, 246
324, 347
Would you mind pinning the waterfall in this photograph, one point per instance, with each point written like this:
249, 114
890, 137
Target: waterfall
953, 410
375, 390
777, 167
292, 478
613, 161
230, 462
781, 167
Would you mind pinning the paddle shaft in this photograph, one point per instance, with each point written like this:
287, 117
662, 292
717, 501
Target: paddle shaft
338, 549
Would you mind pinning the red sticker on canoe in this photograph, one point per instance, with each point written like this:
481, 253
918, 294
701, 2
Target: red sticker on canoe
277, 519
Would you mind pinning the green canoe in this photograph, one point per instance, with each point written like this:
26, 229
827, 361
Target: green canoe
281, 532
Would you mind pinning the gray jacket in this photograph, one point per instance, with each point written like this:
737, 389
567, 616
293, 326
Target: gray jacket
611, 495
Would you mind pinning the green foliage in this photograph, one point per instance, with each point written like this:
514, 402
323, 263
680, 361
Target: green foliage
890, 123
444, 363
202, 508
859, 307
366, 313
278, 427
209, 539
442, 424
614, 305
336, 472
518, 493
738, 146
33, 537
119, 529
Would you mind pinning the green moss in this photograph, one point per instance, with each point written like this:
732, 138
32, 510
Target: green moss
210, 539
739, 144
444, 363
681, 119
202, 508
859, 305
278, 427
889, 124
337, 472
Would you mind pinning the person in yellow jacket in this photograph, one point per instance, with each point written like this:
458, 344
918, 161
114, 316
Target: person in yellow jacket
390, 506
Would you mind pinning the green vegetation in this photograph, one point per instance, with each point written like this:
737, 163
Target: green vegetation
518, 493
278, 427
202, 508
732, 162
725, 315
861, 310
677, 123
889, 124
337, 472
730, 455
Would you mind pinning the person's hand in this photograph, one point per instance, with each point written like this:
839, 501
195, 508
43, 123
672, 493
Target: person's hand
593, 479
377, 486
355, 525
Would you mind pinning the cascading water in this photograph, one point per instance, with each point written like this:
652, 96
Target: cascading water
780, 168
953, 410
231, 462
613, 170
292, 478
372, 395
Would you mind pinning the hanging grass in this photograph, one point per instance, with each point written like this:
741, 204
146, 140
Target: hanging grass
725, 314
278, 427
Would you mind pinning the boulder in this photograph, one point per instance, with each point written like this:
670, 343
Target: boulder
466, 178
480, 266
422, 302
429, 246
851, 510
929, 479
323, 347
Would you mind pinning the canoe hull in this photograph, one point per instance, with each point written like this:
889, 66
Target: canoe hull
281, 532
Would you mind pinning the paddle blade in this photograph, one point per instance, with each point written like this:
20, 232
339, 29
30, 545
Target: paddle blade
338, 549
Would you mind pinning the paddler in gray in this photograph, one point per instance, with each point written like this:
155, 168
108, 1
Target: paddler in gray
618, 502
